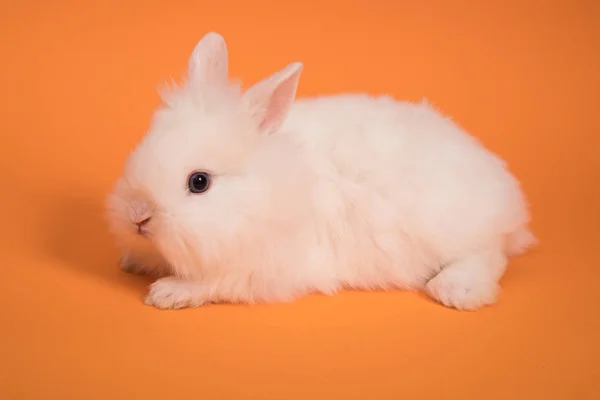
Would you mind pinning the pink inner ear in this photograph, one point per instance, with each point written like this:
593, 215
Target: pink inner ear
271, 99
277, 106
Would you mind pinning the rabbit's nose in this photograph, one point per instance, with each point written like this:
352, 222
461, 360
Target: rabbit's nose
140, 213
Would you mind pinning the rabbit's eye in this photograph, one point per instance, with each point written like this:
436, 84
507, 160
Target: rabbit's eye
198, 182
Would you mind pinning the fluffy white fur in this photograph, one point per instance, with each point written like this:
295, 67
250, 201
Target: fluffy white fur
311, 195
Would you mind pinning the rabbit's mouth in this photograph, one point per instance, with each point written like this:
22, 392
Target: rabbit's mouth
143, 231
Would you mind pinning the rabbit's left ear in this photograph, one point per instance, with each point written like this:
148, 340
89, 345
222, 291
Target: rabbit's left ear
268, 102
208, 62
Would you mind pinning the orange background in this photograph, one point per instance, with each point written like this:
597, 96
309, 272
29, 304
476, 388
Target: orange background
78, 86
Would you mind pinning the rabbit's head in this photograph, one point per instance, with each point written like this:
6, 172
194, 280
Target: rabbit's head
214, 175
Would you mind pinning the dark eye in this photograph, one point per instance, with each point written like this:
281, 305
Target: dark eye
199, 182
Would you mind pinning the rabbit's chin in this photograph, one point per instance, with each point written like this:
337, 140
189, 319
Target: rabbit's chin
139, 255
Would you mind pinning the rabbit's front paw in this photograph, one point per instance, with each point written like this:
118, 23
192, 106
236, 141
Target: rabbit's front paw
174, 293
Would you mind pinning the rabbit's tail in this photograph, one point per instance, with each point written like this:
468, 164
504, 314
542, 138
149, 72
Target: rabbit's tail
519, 241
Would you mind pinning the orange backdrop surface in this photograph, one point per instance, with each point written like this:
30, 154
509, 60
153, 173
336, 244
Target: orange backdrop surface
78, 84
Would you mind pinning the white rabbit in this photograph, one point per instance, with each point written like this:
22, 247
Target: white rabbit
255, 197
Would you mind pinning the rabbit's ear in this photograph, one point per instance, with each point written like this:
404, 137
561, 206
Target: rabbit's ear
269, 101
208, 62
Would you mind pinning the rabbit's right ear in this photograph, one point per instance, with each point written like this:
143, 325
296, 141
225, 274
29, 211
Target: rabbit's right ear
268, 102
208, 62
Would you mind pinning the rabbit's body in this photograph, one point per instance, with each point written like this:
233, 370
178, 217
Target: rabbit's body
341, 191
400, 190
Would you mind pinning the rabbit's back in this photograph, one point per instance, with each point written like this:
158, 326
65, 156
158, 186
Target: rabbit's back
404, 166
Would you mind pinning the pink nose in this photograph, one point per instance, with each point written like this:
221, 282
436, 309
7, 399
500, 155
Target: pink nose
141, 213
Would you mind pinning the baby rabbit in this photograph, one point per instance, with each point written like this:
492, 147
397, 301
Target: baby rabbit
254, 196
